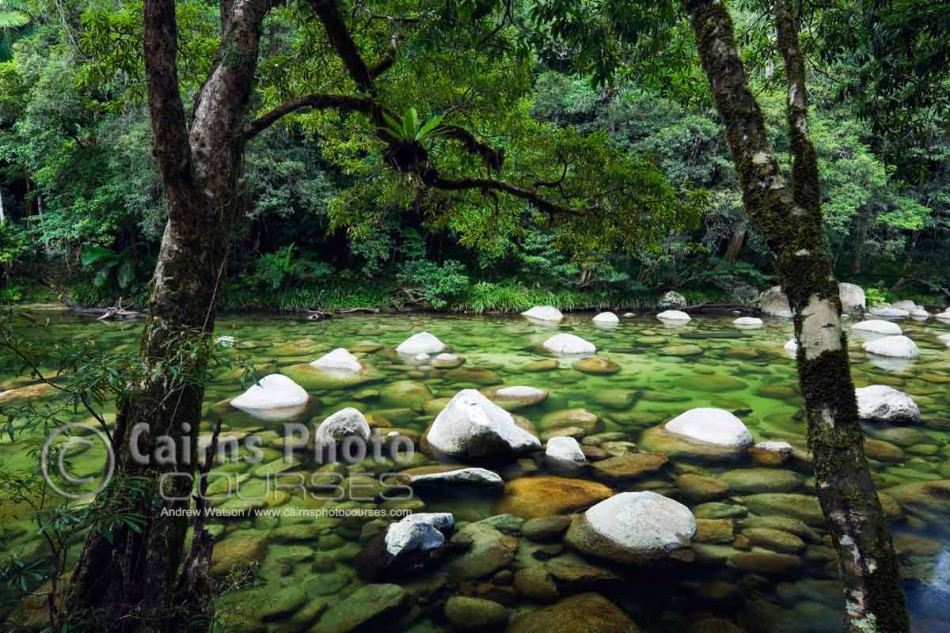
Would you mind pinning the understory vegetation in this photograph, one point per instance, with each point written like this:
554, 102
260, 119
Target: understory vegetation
329, 227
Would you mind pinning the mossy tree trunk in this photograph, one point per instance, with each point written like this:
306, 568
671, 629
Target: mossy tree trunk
788, 216
131, 578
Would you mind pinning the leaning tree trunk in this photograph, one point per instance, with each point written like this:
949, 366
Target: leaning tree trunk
789, 219
128, 577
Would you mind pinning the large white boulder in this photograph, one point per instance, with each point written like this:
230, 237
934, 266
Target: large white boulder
631, 527
569, 344
852, 298
274, 391
893, 346
606, 318
421, 343
711, 426
672, 301
347, 422
919, 314
339, 359
943, 316
673, 316
773, 302
548, 314
748, 323
878, 326
565, 450
881, 403
889, 313
905, 304
473, 427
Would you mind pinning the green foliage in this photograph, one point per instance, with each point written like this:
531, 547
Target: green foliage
409, 129
433, 285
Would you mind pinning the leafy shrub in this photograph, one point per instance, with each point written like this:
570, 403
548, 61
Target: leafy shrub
433, 285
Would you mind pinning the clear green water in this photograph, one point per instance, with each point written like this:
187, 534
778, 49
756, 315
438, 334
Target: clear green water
751, 375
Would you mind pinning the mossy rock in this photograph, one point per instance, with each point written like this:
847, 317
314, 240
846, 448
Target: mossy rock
684, 350
548, 364
659, 440
614, 399
766, 563
582, 613
797, 506
581, 418
474, 376
775, 540
631, 466
712, 384
597, 366
531, 497
475, 614
406, 394
715, 531
756, 480
237, 551
701, 488
882, 451
490, 551
368, 607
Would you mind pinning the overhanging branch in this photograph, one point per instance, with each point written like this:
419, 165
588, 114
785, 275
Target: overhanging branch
320, 102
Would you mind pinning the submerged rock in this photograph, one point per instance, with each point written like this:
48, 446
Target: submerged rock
888, 312
339, 359
569, 344
451, 477
475, 614
673, 316
629, 466
368, 607
473, 427
421, 343
548, 364
530, 497
770, 453
632, 527
405, 394
490, 551
237, 551
274, 391
405, 546
596, 366
880, 403
567, 418
447, 361
347, 422
711, 426
583, 613
548, 314
893, 346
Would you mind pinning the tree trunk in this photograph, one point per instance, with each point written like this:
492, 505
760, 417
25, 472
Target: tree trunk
129, 578
735, 243
789, 219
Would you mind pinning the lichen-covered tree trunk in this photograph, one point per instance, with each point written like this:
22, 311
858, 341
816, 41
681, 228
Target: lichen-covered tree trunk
130, 578
788, 216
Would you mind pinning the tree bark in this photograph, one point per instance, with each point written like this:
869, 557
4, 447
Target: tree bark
789, 219
735, 242
129, 579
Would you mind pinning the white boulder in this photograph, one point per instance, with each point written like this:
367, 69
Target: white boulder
748, 323
339, 359
773, 302
878, 326
548, 314
673, 316
566, 450
569, 344
893, 346
420, 532
711, 426
672, 301
905, 304
943, 316
607, 318
852, 298
421, 343
889, 313
347, 422
881, 403
791, 346
274, 391
631, 527
473, 427
919, 314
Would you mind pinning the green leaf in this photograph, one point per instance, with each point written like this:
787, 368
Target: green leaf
13, 19
94, 254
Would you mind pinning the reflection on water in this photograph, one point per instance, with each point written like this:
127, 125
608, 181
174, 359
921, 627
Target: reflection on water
762, 558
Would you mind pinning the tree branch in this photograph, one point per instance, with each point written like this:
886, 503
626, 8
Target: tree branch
487, 184
320, 102
342, 42
386, 62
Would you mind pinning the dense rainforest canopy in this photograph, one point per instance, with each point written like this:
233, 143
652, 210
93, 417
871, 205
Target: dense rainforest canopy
614, 183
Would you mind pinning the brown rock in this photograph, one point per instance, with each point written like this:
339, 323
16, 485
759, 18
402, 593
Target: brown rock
583, 613
531, 497
629, 466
